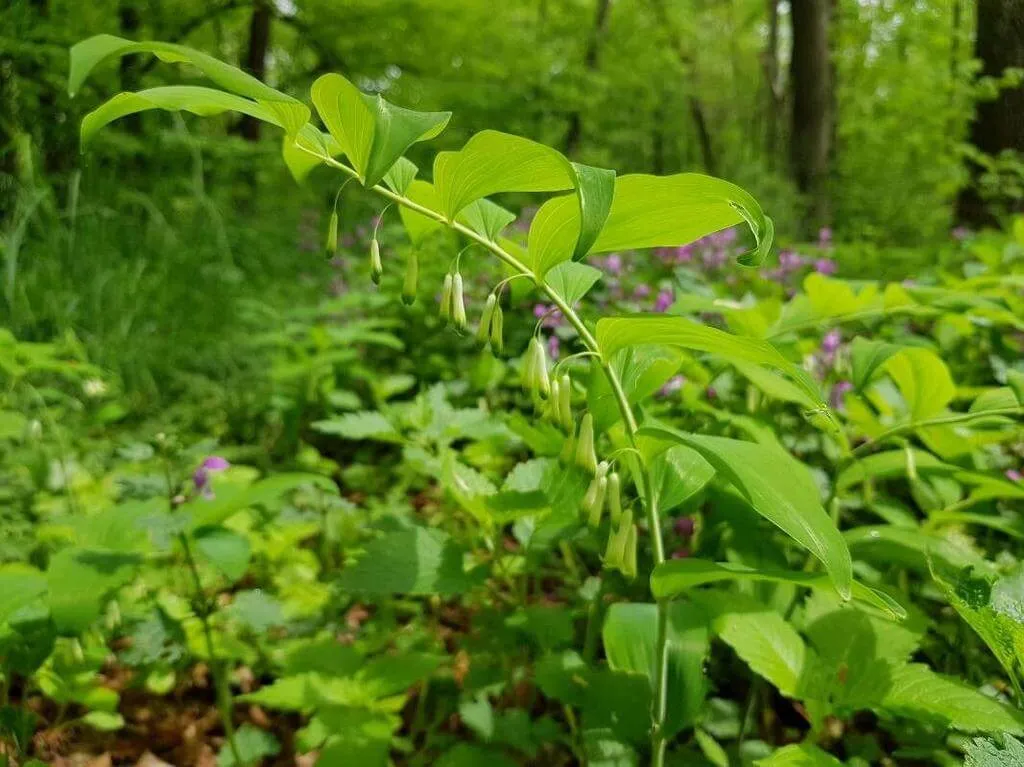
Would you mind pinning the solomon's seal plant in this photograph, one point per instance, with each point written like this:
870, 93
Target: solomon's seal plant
621, 469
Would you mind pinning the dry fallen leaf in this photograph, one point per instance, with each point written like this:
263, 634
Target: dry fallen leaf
150, 760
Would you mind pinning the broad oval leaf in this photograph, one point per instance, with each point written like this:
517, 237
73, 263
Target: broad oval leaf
923, 380
668, 211
673, 578
614, 333
778, 488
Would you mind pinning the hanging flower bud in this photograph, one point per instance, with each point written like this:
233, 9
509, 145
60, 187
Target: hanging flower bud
629, 563
541, 381
485, 319
529, 366
497, 330
615, 552
412, 277
569, 447
911, 463
595, 509
564, 404
552, 410
332, 235
446, 297
586, 458
376, 267
614, 497
458, 303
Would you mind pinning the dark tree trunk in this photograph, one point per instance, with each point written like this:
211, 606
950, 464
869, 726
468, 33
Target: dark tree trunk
773, 89
256, 58
998, 124
128, 15
575, 130
811, 83
700, 124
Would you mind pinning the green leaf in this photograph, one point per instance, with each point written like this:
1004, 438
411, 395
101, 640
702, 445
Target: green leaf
228, 551
615, 333
775, 386
417, 561
678, 474
79, 581
572, 280
672, 578
19, 586
778, 488
918, 692
253, 744
492, 162
799, 755
366, 424
641, 370
103, 721
401, 175
763, 639
669, 211
994, 612
231, 500
891, 544
371, 132
388, 675
866, 357
256, 610
629, 636
923, 380
987, 753
486, 218
172, 98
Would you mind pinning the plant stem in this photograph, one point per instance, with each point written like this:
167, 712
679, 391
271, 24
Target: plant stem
660, 693
220, 682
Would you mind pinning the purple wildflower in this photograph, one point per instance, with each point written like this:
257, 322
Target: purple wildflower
830, 343
824, 237
643, 290
711, 392
790, 260
664, 300
201, 476
613, 264
838, 394
1013, 475
554, 346
960, 233
681, 553
826, 266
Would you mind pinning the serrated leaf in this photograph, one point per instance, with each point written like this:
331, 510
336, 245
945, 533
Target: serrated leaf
253, 744
919, 692
988, 753
799, 755
365, 424
778, 488
672, 578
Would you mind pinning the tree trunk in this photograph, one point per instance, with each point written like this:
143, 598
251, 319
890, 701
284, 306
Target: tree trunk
998, 124
256, 58
700, 124
128, 15
811, 83
575, 130
773, 92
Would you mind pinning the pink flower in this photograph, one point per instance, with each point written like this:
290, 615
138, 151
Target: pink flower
684, 527
554, 346
824, 237
826, 266
643, 290
201, 476
790, 260
960, 233
830, 343
711, 392
681, 553
1013, 475
838, 394
613, 264
664, 300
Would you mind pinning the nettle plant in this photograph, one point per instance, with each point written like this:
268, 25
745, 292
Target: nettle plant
618, 468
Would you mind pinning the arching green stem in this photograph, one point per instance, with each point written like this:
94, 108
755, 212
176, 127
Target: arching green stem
659, 702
